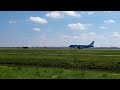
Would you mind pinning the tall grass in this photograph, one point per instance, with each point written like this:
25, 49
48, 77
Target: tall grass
19, 72
67, 58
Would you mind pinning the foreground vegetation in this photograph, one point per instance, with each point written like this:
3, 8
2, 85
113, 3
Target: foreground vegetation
18, 72
99, 60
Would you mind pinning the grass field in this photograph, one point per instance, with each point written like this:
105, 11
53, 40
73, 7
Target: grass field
59, 63
18, 72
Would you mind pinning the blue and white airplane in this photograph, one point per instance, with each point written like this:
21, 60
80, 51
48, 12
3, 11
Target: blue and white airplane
82, 46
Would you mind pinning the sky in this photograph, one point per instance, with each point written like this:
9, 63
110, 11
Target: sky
59, 28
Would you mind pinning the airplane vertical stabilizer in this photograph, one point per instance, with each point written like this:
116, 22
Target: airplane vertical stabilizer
92, 43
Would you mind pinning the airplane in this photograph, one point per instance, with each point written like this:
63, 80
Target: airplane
82, 46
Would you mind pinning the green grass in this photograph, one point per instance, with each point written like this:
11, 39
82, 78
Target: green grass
86, 59
53, 73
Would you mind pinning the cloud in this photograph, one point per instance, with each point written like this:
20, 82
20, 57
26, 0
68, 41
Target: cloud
79, 26
115, 35
55, 14
87, 38
60, 14
110, 21
12, 22
103, 27
38, 20
72, 13
101, 40
90, 13
81, 36
36, 29
92, 34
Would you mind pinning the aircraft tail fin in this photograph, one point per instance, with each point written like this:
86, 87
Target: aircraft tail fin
92, 43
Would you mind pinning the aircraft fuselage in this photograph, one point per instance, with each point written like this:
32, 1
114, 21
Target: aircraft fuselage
82, 46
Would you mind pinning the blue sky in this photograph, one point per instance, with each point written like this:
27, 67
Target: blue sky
59, 28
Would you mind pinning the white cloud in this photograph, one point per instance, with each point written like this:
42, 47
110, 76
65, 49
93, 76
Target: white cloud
109, 21
90, 13
38, 20
101, 40
103, 27
72, 13
12, 22
87, 36
75, 37
82, 36
65, 36
79, 26
60, 14
36, 29
92, 34
55, 14
115, 35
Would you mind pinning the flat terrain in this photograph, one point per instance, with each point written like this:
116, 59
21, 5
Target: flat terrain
18, 72
59, 63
